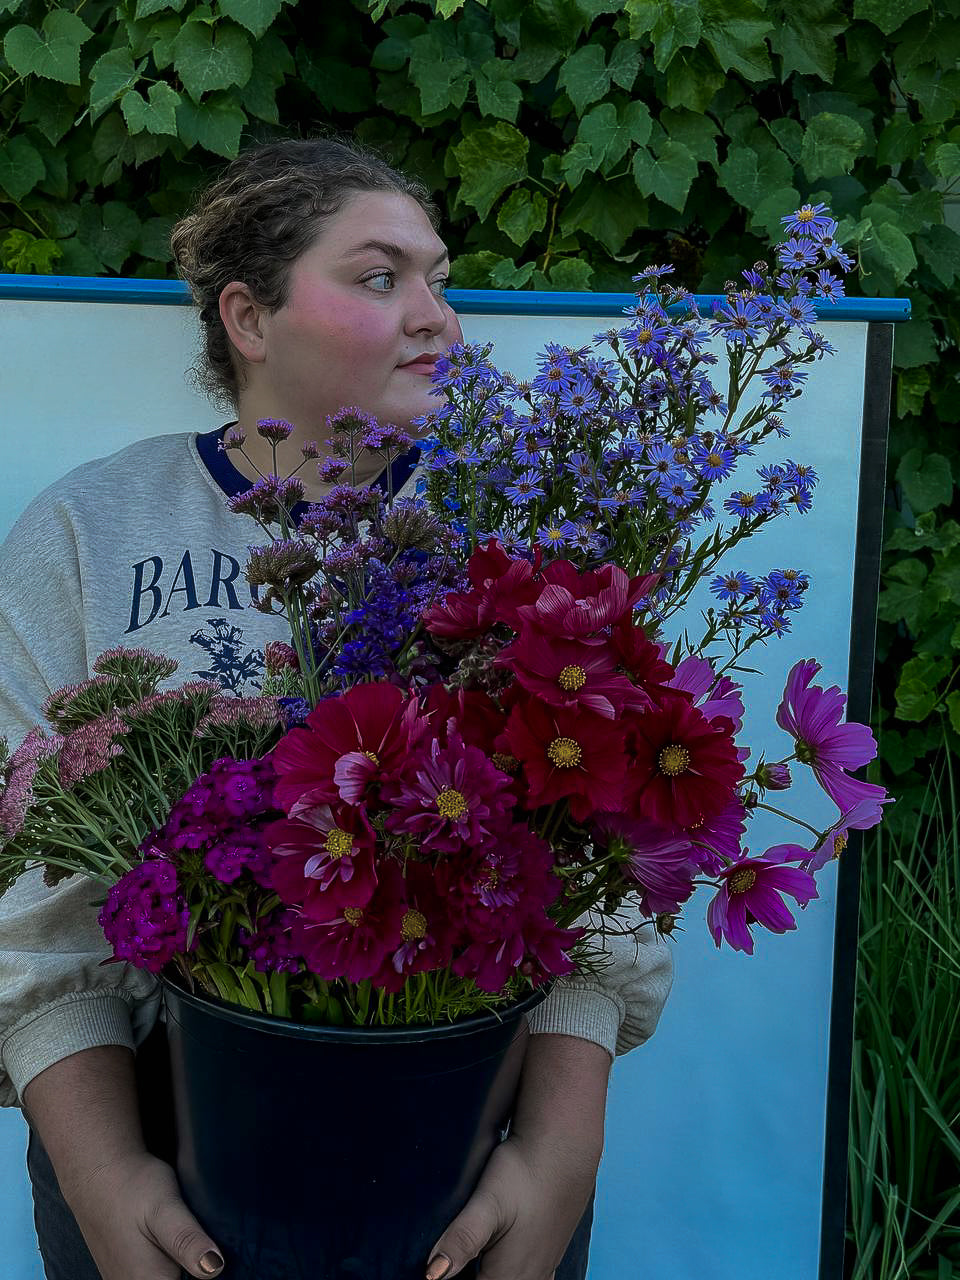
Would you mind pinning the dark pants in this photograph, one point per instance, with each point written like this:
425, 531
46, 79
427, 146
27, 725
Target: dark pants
66, 1257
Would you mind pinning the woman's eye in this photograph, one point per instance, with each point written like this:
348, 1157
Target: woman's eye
439, 287
382, 282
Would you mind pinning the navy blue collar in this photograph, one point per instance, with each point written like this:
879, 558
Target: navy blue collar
231, 481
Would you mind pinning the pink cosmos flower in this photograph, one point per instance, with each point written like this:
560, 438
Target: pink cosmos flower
862, 816
323, 858
356, 942
663, 863
716, 840
575, 604
750, 894
714, 697
537, 950
500, 886
499, 586
812, 716
426, 937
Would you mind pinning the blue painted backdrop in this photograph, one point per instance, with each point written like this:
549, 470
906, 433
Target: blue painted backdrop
714, 1157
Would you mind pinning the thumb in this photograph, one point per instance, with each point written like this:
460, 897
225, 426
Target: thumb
468, 1234
177, 1232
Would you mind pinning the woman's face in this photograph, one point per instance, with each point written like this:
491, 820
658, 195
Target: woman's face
364, 318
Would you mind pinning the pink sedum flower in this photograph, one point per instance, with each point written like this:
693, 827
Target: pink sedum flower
750, 893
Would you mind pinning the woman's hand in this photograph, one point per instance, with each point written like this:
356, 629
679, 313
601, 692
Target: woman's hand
538, 1182
136, 1224
126, 1202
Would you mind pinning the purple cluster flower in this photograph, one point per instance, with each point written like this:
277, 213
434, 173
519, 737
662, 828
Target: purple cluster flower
272, 946
145, 917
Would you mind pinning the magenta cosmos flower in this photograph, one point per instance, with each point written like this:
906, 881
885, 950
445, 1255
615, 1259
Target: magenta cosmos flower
812, 716
750, 894
322, 859
572, 673
662, 863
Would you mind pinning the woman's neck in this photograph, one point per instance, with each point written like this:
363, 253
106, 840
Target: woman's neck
256, 459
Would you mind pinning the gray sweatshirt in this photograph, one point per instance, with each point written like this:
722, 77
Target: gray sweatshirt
139, 549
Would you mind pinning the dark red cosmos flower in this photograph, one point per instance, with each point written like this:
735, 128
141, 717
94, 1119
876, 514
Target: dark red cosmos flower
477, 717
500, 885
537, 949
684, 767
323, 858
355, 942
567, 754
349, 742
575, 604
571, 673
642, 660
500, 586
426, 936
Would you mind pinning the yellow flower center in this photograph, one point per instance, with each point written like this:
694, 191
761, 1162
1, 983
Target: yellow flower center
804, 215
742, 880
565, 753
371, 755
644, 335
714, 459
493, 879
572, 678
839, 844
674, 760
353, 915
555, 535
338, 843
452, 803
413, 926
504, 761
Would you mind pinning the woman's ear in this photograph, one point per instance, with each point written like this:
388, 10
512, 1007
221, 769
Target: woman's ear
241, 315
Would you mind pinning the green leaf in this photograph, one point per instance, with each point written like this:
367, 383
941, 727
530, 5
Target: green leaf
472, 270
953, 710
806, 40
147, 8
208, 59
580, 159
335, 83
926, 533
831, 145
158, 114
21, 167
735, 32
441, 74
917, 693
914, 344
52, 52
255, 15
272, 63
215, 124
110, 232
900, 140
154, 239
521, 214
888, 248
767, 214
697, 133
109, 76
49, 108
24, 254
507, 275
161, 38
668, 175
607, 135
943, 159
750, 176
625, 63
447, 8
926, 480
11, 6
671, 24
585, 76
693, 80
498, 93
912, 388
609, 212
888, 14
939, 248
936, 92
393, 53
491, 159
572, 274
904, 598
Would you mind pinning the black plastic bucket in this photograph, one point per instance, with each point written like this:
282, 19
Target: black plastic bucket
320, 1153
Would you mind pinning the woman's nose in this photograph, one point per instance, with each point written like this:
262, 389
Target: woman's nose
426, 312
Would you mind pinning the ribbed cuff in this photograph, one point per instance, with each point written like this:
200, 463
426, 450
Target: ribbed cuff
84, 1020
579, 1011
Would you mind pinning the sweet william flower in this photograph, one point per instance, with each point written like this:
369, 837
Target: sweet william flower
750, 893
145, 916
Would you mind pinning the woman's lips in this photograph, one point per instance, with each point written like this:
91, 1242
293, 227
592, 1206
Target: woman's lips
423, 364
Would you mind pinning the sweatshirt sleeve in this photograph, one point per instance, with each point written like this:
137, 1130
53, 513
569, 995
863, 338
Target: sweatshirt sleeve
620, 1006
56, 997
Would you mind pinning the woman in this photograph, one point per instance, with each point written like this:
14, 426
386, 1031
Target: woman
319, 277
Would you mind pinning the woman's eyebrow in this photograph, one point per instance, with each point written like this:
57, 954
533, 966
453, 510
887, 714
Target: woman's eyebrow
395, 252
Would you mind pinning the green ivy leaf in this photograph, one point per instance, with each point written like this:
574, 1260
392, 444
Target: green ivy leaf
914, 344
336, 84
580, 159
953, 709
936, 92
11, 6
272, 63
156, 114
109, 76
441, 74
806, 40
208, 59
585, 76
903, 598
789, 136
609, 212
490, 159
498, 93
472, 270
831, 145
255, 15
215, 124
667, 175
508, 275
750, 176
21, 167
735, 31
447, 8
52, 52
571, 274
766, 216
926, 480
888, 14
24, 254
147, 8
940, 249
624, 65
671, 24
521, 214
49, 108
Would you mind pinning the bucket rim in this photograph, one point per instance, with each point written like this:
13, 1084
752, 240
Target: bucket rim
475, 1024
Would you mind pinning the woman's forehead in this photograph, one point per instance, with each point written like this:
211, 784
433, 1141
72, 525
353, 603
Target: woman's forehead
381, 221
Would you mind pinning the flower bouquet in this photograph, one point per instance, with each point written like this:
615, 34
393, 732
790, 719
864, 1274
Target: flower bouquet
488, 745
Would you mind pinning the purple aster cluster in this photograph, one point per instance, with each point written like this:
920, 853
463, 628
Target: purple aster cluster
145, 917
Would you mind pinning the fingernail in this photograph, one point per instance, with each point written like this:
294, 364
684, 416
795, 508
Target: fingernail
438, 1267
211, 1263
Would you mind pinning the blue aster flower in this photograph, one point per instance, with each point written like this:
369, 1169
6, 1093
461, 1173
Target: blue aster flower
715, 462
678, 493
801, 499
829, 286
731, 586
799, 473
556, 535
580, 465
795, 311
578, 398
528, 447
739, 320
798, 253
807, 220
524, 487
747, 505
